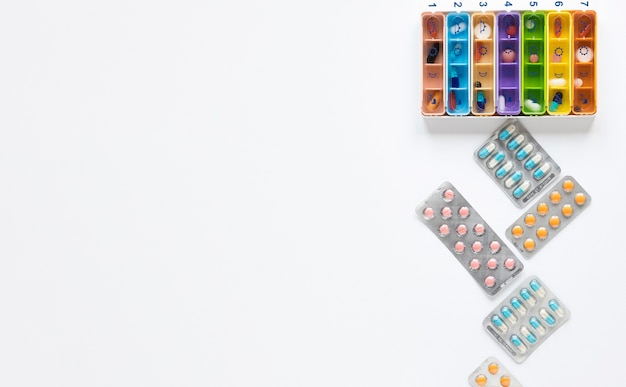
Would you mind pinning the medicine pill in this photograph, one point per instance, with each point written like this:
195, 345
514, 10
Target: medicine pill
529, 319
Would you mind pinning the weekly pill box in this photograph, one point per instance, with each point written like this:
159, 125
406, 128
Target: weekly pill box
491, 373
545, 219
516, 162
469, 238
526, 318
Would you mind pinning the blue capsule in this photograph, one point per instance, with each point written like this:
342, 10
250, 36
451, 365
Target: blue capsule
486, 150
504, 170
542, 171
524, 152
497, 321
507, 132
516, 142
533, 161
537, 288
537, 325
530, 337
521, 189
518, 343
495, 160
513, 179
547, 317
556, 308
517, 304
525, 293
506, 312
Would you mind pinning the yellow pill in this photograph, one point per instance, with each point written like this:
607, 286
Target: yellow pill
517, 231
554, 221
493, 368
505, 381
529, 244
568, 186
530, 220
567, 210
481, 380
542, 209
542, 233
580, 198
555, 197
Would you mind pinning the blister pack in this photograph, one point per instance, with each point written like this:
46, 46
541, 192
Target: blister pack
516, 162
491, 373
548, 217
526, 318
469, 238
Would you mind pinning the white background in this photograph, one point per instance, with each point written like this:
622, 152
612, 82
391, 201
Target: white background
222, 194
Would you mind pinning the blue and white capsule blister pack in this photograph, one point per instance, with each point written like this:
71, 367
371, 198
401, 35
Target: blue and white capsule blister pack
469, 238
526, 318
516, 162
491, 373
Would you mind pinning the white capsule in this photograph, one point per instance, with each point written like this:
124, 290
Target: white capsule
495, 160
533, 161
558, 82
517, 304
525, 151
518, 344
542, 171
504, 170
537, 326
521, 189
513, 179
528, 335
486, 150
525, 293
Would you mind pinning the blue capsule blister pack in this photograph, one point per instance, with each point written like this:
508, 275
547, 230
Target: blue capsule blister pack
516, 162
526, 318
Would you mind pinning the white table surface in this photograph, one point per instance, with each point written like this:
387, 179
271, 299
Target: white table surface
222, 194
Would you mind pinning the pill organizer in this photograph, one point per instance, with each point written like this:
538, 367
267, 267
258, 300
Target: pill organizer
508, 60
469, 238
559, 63
516, 162
502, 62
551, 213
458, 69
526, 318
584, 83
483, 65
433, 71
491, 373
533, 63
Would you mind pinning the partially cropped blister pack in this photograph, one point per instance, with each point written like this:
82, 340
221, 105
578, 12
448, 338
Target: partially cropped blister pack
469, 238
491, 373
516, 162
526, 318
553, 212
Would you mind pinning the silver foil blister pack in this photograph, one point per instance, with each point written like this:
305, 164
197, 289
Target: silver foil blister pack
526, 318
469, 238
492, 373
551, 213
516, 162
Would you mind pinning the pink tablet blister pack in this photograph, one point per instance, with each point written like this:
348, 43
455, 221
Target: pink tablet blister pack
469, 238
